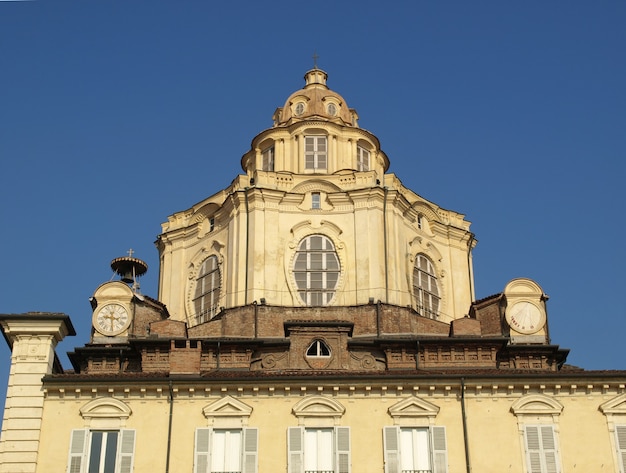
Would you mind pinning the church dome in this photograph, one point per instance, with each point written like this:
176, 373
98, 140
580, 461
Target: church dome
315, 101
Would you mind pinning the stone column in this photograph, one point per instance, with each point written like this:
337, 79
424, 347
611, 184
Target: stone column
32, 338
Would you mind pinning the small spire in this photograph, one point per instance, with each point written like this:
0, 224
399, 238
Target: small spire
315, 58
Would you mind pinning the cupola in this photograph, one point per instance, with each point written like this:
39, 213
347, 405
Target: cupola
315, 101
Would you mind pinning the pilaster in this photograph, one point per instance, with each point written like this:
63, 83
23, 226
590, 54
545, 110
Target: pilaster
32, 338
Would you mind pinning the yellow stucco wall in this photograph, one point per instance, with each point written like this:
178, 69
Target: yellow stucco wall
493, 431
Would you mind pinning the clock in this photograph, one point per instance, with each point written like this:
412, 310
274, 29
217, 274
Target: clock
111, 319
525, 317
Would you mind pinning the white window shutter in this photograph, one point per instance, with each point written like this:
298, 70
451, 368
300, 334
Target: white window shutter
548, 444
620, 441
202, 451
78, 448
533, 449
250, 449
295, 446
541, 450
126, 451
342, 448
440, 449
391, 446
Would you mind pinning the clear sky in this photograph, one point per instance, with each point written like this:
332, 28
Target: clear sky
115, 114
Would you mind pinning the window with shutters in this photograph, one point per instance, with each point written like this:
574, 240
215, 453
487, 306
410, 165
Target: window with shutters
541, 451
319, 449
101, 451
226, 450
316, 270
537, 418
415, 449
315, 153
425, 287
207, 292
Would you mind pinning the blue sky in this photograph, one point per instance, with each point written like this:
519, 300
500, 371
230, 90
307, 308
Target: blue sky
114, 115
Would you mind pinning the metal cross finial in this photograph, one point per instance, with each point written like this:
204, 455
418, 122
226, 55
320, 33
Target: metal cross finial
315, 58
130, 253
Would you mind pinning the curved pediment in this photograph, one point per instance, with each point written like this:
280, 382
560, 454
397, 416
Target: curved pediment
105, 407
536, 404
318, 406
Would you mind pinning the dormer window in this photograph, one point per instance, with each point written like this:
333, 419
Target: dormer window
268, 159
332, 109
299, 110
315, 152
362, 159
318, 349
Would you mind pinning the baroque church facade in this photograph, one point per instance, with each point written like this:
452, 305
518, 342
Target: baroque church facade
315, 316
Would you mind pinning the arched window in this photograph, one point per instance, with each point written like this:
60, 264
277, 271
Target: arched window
207, 290
362, 159
425, 288
318, 349
316, 270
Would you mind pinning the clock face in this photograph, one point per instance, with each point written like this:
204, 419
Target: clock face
525, 317
111, 319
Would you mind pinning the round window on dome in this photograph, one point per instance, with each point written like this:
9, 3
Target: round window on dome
332, 109
299, 108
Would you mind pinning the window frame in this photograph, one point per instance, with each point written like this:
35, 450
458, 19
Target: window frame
426, 288
248, 454
437, 448
620, 446
268, 159
205, 301
544, 456
80, 451
296, 446
315, 159
307, 277
363, 156
320, 348
316, 200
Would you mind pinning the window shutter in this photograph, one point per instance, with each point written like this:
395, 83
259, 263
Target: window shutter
203, 449
620, 441
533, 449
126, 451
391, 443
78, 443
541, 451
548, 444
295, 443
250, 449
342, 447
440, 450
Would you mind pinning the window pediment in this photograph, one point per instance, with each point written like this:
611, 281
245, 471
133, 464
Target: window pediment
105, 413
413, 407
536, 404
227, 407
318, 406
614, 406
